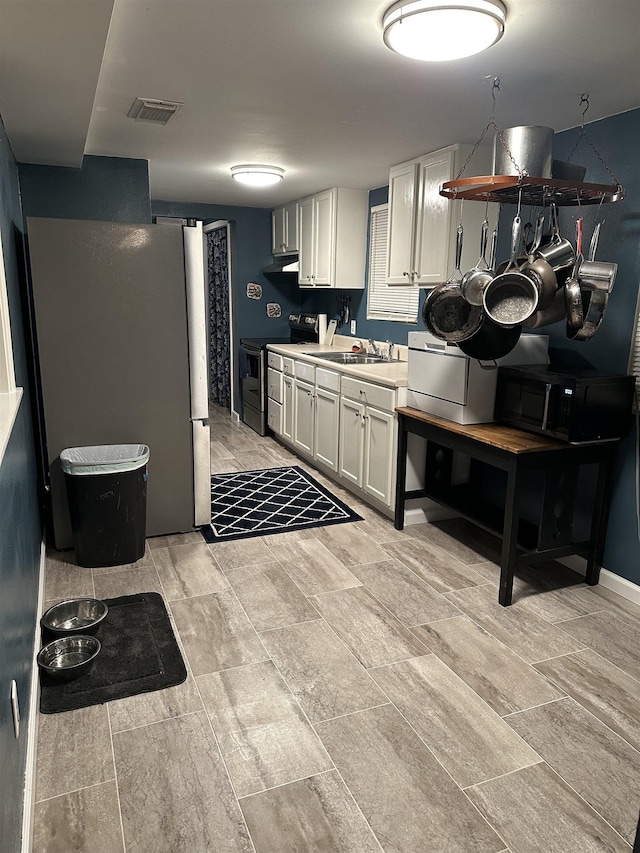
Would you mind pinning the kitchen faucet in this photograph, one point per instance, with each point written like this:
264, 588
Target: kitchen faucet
390, 346
373, 346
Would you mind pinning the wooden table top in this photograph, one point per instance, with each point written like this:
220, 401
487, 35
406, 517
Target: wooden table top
497, 435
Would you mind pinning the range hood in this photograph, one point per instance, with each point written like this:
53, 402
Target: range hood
283, 264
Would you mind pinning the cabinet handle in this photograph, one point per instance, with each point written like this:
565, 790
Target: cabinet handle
415, 274
405, 273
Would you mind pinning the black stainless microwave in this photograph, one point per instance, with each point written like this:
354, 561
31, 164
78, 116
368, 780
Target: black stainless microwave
571, 405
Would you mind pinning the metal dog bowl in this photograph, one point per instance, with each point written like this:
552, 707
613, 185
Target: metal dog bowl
69, 657
74, 616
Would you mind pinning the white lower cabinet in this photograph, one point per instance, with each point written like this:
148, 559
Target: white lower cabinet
351, 440
379, 454
274, 416
345, 425
327, 417
287, 408
368, 438
303, 416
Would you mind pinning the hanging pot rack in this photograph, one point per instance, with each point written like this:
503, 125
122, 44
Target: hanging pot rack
524, 189
509, 189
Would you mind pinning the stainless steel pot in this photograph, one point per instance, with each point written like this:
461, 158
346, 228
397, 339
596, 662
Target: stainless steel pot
511, 297
531, 148
559, 252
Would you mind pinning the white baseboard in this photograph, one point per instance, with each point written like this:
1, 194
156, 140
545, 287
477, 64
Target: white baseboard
609, 580
28, 800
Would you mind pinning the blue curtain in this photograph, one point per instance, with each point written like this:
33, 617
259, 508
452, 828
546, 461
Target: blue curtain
219, 382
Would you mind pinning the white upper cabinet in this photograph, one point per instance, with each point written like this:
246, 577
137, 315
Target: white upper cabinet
332, 238
284, 229
422, 223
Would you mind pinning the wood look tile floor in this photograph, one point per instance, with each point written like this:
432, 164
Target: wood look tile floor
352, 689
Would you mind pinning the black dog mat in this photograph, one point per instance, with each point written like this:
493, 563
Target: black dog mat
139, 654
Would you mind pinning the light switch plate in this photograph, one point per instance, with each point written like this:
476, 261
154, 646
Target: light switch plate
353, 327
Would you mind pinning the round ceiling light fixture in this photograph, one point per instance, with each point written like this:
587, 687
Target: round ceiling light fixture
439, 30
257, 175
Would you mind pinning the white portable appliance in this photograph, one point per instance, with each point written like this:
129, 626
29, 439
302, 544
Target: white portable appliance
445, 382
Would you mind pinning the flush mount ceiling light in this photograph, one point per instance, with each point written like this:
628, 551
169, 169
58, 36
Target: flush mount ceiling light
437, 30
256, 175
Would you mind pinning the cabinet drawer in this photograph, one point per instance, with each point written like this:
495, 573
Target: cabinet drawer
274, 385
306, 371
328, 379
366, 392
274, 416
274, 360
287, 366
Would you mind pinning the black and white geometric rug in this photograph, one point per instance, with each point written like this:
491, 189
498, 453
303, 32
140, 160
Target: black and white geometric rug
273, 500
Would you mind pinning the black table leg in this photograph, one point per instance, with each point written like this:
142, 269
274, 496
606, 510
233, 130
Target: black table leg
401, 474
600, 515
509, 538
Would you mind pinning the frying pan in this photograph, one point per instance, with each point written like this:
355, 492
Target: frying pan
445, 312
594, 303
474, 282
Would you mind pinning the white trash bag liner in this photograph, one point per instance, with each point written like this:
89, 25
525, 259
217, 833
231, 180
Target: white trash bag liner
104, 458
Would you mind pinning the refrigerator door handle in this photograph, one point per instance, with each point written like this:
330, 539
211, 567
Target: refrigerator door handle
196, 318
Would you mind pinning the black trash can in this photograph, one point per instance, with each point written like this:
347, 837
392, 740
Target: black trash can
107, 494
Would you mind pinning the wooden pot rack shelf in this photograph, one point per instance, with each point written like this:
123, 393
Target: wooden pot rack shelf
511, 189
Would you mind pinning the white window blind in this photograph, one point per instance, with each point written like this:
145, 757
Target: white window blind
384, 302
634, 356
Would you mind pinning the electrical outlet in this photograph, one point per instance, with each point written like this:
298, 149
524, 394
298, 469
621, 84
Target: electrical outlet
15, 708
353, 327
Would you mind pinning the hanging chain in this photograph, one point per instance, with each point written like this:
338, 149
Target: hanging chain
492, 123
584, 99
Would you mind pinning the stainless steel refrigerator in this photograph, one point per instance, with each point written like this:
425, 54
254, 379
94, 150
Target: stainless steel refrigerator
119, 317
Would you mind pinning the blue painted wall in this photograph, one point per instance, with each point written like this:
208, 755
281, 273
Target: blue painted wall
252, 252
114, 189
616, 138
19, 529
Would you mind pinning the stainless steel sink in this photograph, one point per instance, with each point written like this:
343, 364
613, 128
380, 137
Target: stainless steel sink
352, 357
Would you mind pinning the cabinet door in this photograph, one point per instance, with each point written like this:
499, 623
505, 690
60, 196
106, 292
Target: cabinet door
327, 416
274, 416
351, 440
278, 231
379, 454
324, 234
291, 226
306, 242
303, 404
287, 407
403, 198
433, 221
274, 385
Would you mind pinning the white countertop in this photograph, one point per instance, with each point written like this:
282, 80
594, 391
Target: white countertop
393, 374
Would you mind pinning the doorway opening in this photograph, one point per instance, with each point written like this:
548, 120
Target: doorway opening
218, 252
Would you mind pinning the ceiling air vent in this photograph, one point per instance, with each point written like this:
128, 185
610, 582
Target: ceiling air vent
152, 111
